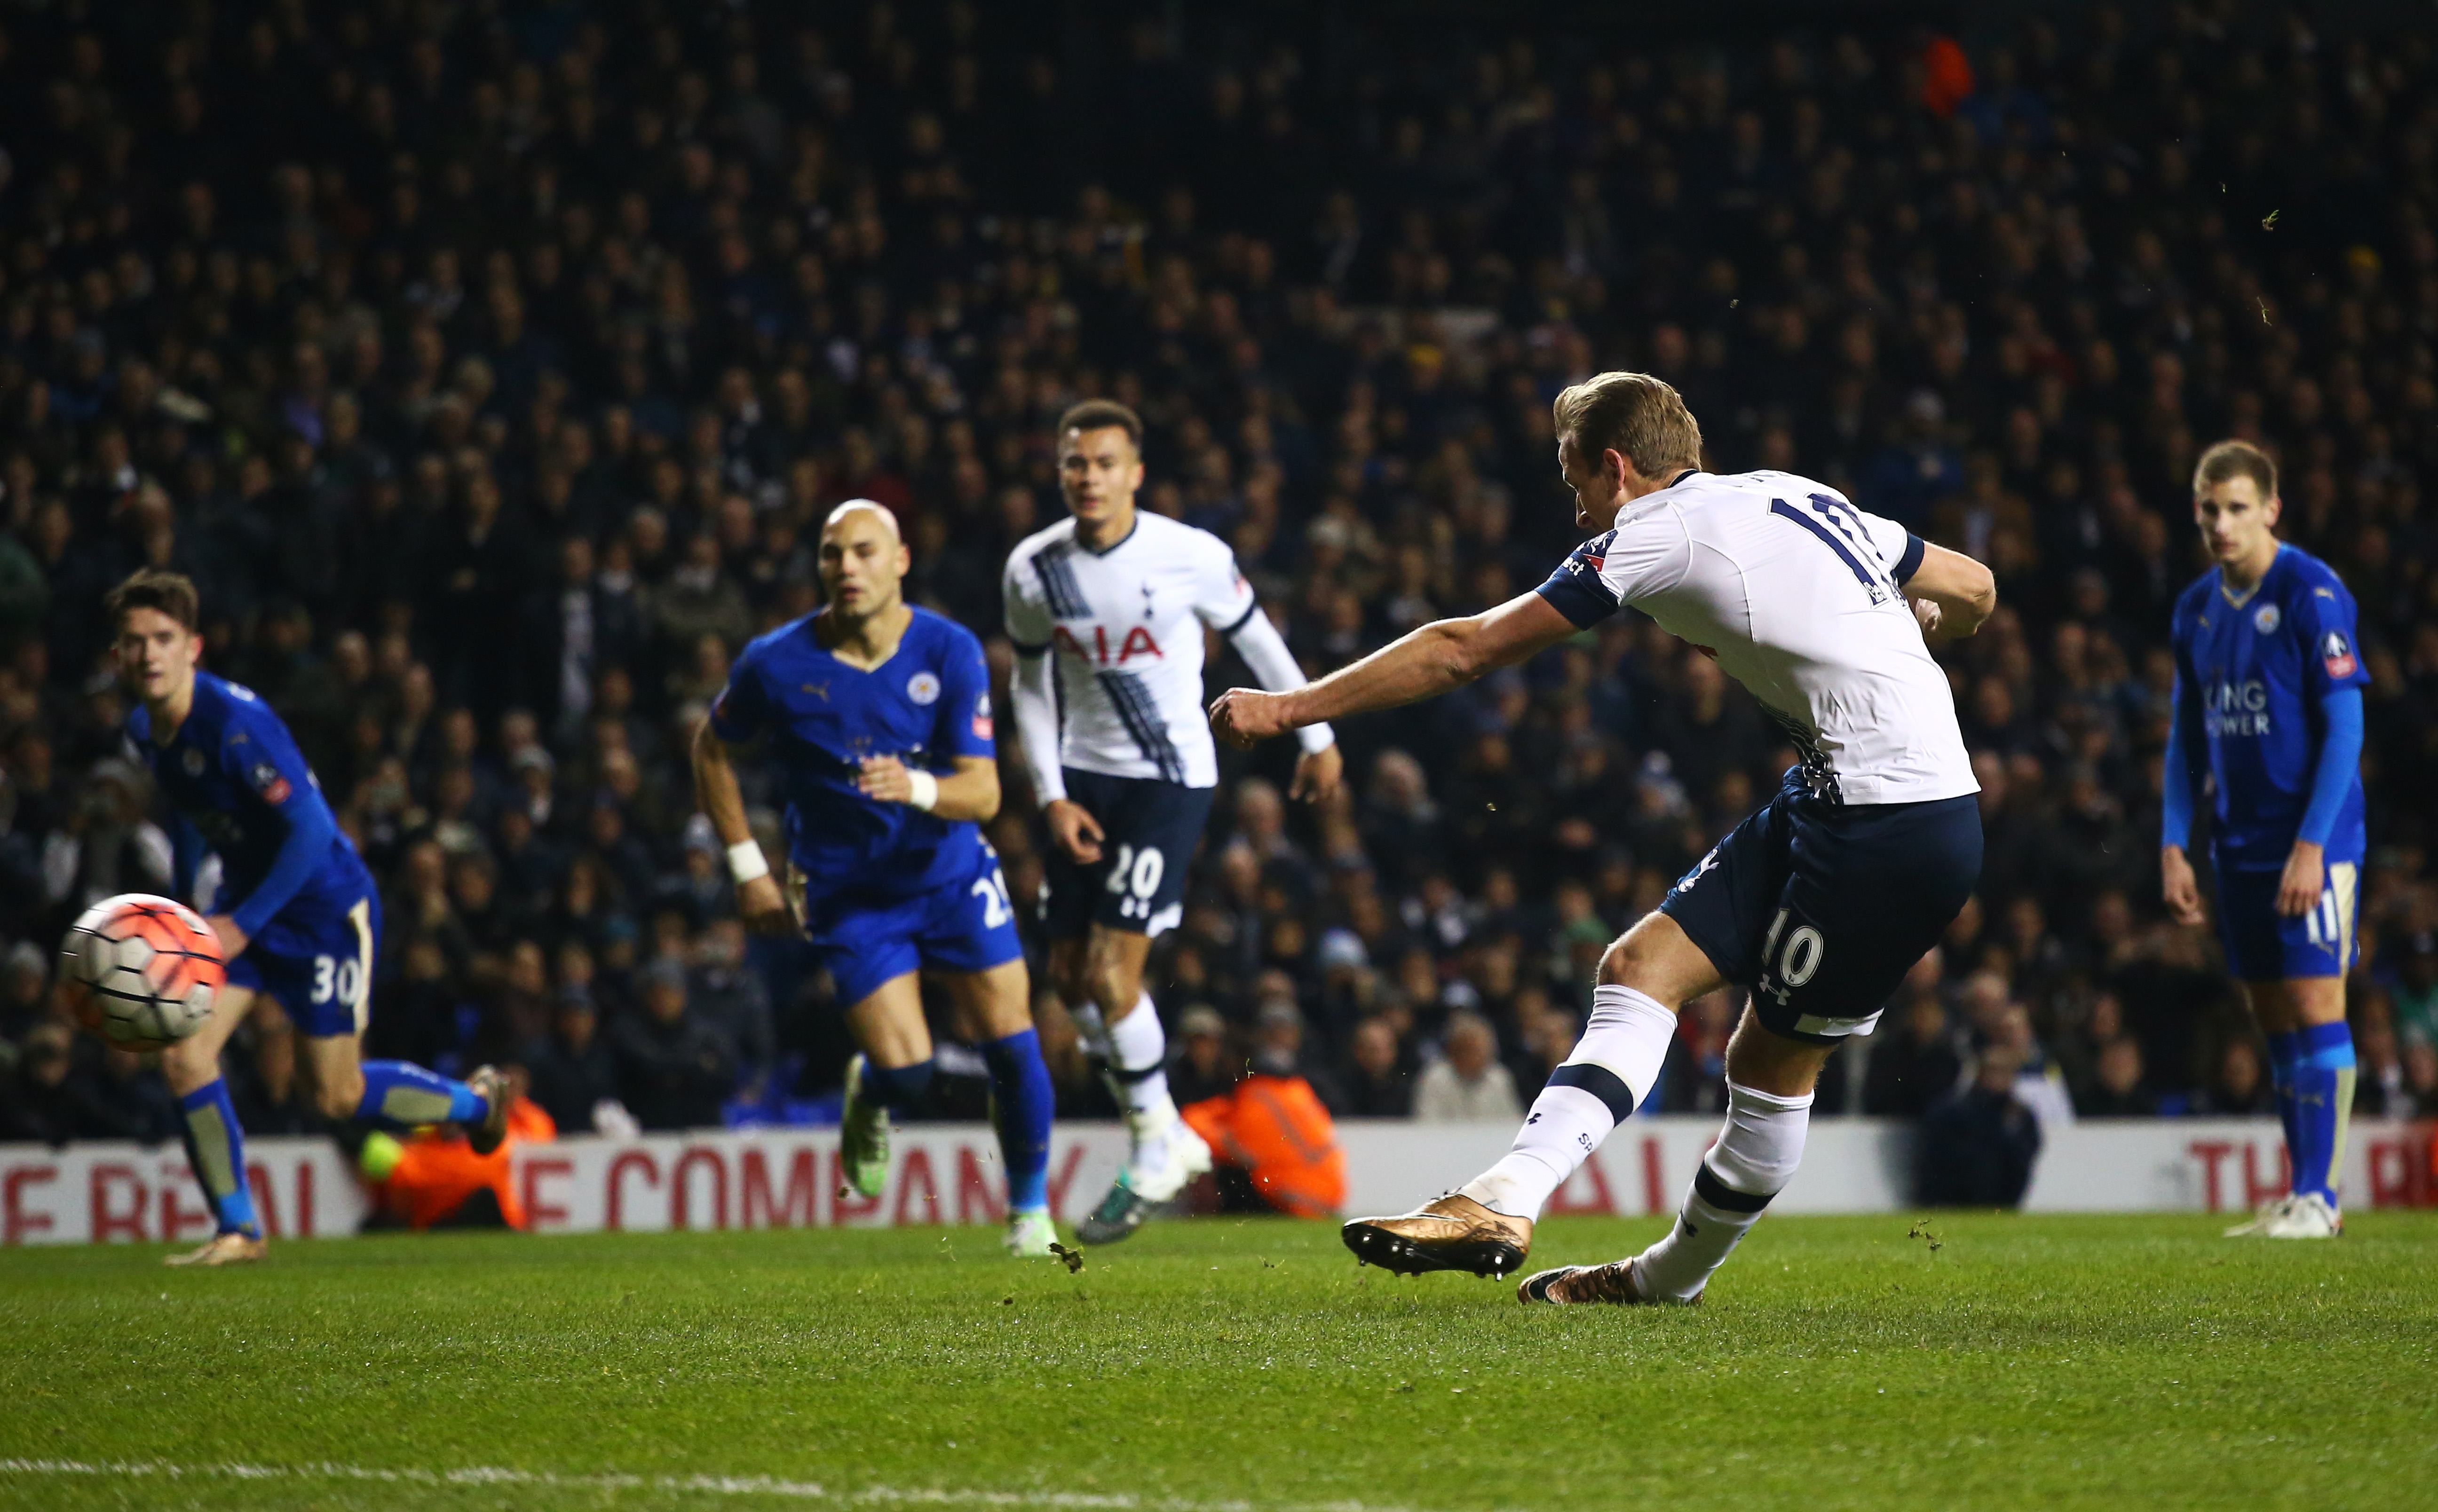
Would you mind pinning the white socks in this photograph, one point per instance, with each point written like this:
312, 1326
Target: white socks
1138, 1065
1614, 1066
1755, 1157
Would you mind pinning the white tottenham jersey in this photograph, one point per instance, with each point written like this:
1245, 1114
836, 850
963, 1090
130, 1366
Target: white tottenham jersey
1126, 627
1799, 596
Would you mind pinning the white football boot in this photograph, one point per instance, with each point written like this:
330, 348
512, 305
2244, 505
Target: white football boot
2307, 1216
1167, 1154
2256, 1226
1030, 1236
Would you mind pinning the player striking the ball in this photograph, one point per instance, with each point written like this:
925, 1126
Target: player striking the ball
1820, 902
297, 914
878, 717
1108, 610
2269, 704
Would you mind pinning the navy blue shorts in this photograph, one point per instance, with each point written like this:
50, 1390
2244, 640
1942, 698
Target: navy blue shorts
2263, 945
1149, 832
959, 927
318, 963
1821, 909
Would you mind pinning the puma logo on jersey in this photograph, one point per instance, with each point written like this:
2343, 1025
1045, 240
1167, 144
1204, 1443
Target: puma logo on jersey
1139, 642
819, 690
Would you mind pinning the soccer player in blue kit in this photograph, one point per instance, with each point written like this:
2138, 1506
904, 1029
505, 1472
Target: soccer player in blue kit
878, 717
296, 912
2269, 704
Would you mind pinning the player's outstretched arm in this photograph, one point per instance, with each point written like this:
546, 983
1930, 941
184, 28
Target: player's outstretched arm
1444, 654
970, 792
1960, 592
758, 899
1319, 770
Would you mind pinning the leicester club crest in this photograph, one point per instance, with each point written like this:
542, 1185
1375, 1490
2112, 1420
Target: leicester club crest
923, 688
2266, 619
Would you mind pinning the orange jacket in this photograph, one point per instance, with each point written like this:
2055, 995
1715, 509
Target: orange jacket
1276, 1128
437, 1170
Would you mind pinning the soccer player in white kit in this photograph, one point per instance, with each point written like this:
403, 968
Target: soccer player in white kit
1108, 610
1819, 903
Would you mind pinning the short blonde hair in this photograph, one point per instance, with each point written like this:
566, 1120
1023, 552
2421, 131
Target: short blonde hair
2235, 459
1636, 415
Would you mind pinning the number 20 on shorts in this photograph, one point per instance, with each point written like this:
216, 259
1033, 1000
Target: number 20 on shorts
1136, 876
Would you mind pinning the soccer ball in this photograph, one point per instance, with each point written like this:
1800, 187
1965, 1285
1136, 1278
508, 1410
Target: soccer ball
150, 967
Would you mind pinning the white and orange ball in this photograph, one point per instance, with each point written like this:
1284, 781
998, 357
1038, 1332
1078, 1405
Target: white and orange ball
149, 966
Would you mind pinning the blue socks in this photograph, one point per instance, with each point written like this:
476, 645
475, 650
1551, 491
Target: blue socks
396, 1096
2324, 1102
1022, 1099
399, 1094
897, 1088
216, 1150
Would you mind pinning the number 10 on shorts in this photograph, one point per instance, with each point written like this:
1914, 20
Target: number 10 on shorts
1136, 877
1794, 963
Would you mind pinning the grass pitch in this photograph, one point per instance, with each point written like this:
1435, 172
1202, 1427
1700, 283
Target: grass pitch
2050, 1363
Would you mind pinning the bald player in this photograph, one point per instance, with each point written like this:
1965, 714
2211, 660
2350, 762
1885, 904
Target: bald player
878, 718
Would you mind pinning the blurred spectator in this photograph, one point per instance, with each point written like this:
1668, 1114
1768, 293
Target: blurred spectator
1694, 1078
732, 999
1467, 1082
1977, 1143
572, 1072
2116, 1090
1915, 1057
2420, 1079
1202, 1067
1278, 1043
24, 991
2414, 997
62, 1089
1374, 1083
2241, 1088
1275, 1145
674, 1070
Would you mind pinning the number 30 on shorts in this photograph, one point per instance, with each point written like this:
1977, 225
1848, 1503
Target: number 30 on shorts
1136, 877
337, 979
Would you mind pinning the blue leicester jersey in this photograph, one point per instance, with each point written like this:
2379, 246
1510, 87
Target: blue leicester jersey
2261, 668
927, 705
233, 778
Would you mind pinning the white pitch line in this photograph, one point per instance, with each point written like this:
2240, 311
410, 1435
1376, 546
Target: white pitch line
700, 1485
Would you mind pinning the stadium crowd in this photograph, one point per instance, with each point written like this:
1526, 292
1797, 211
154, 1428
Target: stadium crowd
491, 367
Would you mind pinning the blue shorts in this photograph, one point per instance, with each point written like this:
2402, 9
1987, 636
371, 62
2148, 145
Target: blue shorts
1149, 832
2263, 945
866, 940
1821, 909
317, 960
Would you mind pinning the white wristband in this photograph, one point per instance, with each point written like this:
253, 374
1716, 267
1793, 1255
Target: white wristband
745, 863
926, 789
